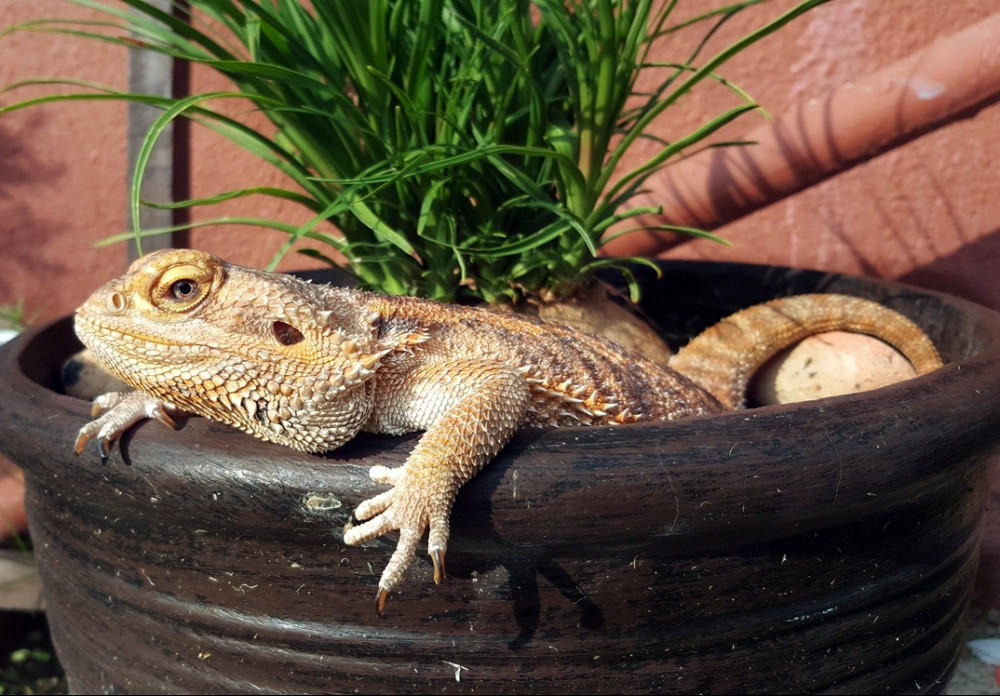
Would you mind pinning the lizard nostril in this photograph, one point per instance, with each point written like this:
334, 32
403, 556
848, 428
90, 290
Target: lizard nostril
116, 302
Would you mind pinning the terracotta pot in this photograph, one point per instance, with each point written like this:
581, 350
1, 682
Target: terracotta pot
825, 546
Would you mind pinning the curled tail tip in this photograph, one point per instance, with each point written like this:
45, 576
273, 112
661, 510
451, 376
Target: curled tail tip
724, 357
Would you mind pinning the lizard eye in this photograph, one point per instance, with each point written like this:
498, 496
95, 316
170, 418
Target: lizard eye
183, 289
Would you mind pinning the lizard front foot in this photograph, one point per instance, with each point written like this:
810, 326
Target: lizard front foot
121, 410
411, 506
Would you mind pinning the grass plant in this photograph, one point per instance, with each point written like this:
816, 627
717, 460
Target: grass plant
460, 147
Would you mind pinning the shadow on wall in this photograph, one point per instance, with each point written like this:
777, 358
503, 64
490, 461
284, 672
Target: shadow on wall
20, 173
964, 273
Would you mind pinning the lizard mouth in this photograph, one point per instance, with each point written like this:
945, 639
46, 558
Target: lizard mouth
92, 330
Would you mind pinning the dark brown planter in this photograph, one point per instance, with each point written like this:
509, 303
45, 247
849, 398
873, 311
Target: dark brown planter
820, 547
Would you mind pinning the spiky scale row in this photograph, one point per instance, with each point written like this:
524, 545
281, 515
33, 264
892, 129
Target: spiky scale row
309, 366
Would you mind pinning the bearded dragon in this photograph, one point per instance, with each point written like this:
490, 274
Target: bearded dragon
310, 366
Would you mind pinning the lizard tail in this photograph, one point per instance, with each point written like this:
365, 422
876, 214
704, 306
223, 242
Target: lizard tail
723, 358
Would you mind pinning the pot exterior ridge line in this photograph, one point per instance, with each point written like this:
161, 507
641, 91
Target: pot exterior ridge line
748, 551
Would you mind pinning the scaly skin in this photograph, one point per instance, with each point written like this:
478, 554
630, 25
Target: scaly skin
310, 366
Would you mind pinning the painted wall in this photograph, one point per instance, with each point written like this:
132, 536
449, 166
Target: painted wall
924, 212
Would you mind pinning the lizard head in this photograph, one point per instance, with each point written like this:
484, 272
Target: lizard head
255, 349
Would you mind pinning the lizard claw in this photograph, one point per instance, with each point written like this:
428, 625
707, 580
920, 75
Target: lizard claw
437, 558
380, 601
104, 444
105, 447
116, 412
383, 594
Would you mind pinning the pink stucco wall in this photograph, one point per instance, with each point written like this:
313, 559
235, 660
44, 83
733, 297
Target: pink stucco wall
62, 169
925, 212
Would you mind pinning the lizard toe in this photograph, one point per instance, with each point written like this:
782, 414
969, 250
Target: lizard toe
384, 474
370, 520
82, 438
106, 402
437, 543
406, 549
368, 509
105, 439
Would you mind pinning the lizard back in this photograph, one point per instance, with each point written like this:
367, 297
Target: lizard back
575, 378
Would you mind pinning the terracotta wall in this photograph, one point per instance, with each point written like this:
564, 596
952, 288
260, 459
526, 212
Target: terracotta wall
924, 212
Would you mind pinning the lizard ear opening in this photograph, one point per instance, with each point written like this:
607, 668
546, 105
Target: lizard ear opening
286, 334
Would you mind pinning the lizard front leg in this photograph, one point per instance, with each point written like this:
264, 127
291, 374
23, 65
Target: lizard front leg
469, 410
